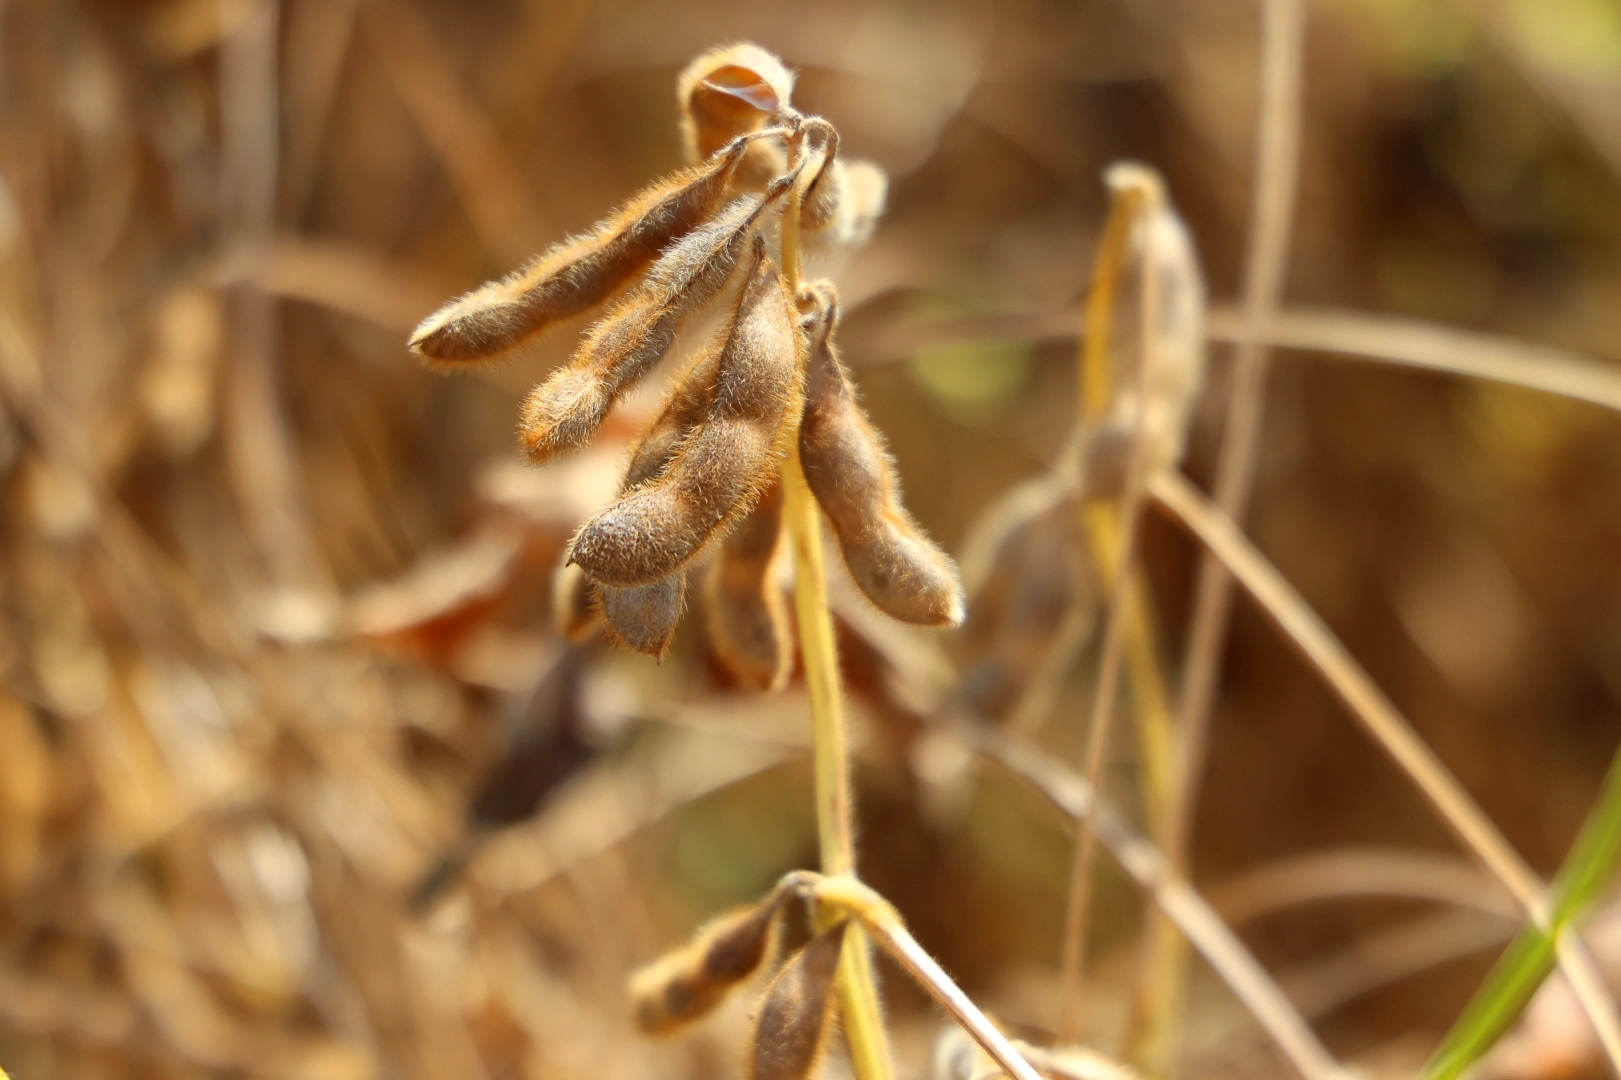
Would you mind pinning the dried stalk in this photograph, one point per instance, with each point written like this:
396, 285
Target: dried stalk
1416, 343
1338, 873
259, 449
457, 129
1112, 531
1277, 164
858, 996
849, 897
1175, 897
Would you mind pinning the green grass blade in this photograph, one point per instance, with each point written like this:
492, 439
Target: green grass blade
1528, 960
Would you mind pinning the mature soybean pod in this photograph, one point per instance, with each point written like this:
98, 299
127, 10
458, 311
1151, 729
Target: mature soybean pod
725, 463
1037, 580
748, 615
565, 411
684, 985
644, 617
852, 476
794, 1021
579, 273
684, 408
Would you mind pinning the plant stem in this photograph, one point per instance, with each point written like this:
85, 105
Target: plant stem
858, 996
1108, 536
846, 895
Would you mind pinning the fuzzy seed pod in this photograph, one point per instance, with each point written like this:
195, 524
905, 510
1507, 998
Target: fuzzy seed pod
1034, 583
844, 200
563, 413
853, 478
725, 463
634, 620
727, 92
863, 189
581, 272
575, 610
684, 985
644, 617
794, 1017
684, 409
748, 615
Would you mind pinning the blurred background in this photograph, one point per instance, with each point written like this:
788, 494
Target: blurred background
296, 779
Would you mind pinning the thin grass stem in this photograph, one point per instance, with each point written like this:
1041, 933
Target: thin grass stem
1340, 873
1129, 632
1436, 347
1388, 956
1077, 908
1277, 166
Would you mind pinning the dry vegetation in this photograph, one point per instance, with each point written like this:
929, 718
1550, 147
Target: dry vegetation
300, 777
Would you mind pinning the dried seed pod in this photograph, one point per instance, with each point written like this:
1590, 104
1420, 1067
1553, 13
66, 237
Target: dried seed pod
851, 474
748, 615
725, 463
549, 748
1169, 296
792, 1031
684, 985
1035, 582
729, 91
644, 617
684, 408
575, 608
581, 272
863, 189
564, 412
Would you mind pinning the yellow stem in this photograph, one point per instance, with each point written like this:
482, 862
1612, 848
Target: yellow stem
1104, 531
858, 995
816, 645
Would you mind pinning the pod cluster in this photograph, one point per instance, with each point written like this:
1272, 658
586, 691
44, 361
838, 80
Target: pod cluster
794, 1018
702, 484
